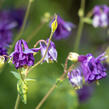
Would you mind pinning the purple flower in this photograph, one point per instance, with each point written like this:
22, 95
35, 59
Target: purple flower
22, 55
6, 32
13, 15
92, 67
84, 93
101, 16
3, 51
75, 78
51, 53
63, 30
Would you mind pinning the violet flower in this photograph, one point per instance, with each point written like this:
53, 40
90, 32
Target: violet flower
84, 93
75, 78
6, 32
51, 53
92, 67
63, 30
101, 16
22, 55
13, 15
3, 51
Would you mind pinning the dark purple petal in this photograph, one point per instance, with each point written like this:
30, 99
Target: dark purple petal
84, 93
92, 67
63, 30
23, 56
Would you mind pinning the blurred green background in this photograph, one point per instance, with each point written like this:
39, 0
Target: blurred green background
93, 41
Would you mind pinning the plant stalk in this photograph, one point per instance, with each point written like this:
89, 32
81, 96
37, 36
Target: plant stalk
80, 27
17, 102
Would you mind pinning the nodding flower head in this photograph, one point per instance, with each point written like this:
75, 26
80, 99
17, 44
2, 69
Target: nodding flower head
92, 67
75, 78
63, 30
101, 16
51, 53
22, 55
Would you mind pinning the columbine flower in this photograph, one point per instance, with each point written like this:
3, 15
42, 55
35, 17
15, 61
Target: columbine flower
3, 51
13, 15
92, 67
22, 55
84, 93
51, 53
63, 30
101, 16
75, 78
6, 32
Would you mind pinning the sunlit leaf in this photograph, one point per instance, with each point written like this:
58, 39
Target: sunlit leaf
16, 74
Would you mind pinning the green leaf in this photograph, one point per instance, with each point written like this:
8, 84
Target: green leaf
22, 89
17, 75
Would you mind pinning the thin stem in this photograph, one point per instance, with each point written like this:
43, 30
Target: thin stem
65, 66
37, 29
81, 25
46, 96
17, 102
49, 92
39, 62
23, 25
39, 42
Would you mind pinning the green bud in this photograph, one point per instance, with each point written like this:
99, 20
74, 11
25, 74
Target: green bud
81, 13
46, 17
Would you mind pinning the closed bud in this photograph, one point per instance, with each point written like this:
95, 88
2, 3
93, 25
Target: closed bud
54, 25
73, 56
46, 17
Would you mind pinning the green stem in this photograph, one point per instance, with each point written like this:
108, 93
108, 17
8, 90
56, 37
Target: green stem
46, 96
81, 25
17, 102
39, 62
49, 92
35, 32
23, 25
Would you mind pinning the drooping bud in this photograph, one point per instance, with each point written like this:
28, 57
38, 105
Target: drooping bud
73, 56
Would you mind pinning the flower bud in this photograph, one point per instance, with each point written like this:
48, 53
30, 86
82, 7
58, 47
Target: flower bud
54, 25
46, 17
73, 56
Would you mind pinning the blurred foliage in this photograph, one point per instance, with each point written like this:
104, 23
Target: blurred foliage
94, 41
